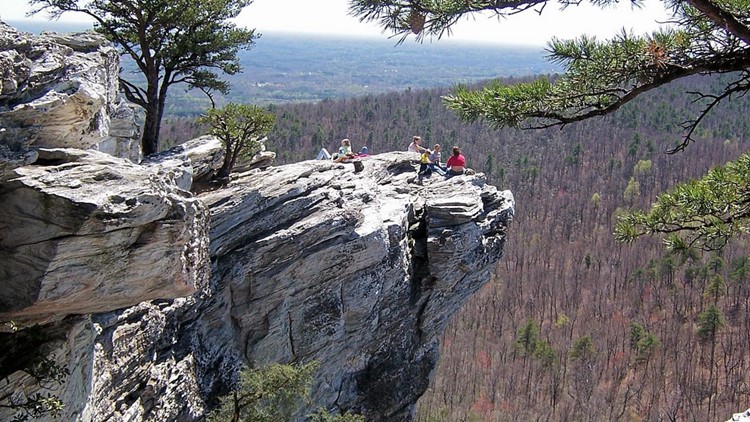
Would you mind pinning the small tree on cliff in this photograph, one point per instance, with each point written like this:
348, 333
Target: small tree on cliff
273, 394
170, 41
240, 127
26, 351
706, 37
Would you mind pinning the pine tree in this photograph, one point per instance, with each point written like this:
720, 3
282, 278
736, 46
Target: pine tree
240, 128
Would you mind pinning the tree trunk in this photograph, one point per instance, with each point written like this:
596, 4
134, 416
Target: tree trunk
228, 161
150, 138
156, 97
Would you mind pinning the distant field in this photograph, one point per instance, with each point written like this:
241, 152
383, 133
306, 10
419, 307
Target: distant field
283, 68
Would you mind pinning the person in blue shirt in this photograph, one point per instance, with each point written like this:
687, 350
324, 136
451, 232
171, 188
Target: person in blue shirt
435, 158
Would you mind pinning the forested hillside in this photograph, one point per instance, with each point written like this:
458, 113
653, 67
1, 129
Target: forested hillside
578, 327
574, 326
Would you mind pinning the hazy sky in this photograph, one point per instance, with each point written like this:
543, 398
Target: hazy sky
331, 17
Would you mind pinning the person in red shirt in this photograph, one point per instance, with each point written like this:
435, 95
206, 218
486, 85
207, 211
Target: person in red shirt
456, 164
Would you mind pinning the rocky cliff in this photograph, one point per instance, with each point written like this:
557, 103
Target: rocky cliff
154, 297
358, 271
61, 91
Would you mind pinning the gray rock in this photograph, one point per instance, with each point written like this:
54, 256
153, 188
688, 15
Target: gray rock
124, 136
194, 160
60, 91
740, 417
10, 160
311, 261
84, 232
359, 272
260, 160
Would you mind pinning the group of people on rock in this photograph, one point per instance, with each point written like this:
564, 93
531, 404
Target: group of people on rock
430, 160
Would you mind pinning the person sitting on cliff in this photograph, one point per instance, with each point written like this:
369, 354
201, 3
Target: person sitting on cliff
345, 151
456, 164
415, 146
435, 158
424, 165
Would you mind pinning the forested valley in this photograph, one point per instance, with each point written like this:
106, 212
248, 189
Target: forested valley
574, 326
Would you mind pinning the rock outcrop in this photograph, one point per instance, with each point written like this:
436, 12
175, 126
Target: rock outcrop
60, 91
83, 232
311, 261
358, 271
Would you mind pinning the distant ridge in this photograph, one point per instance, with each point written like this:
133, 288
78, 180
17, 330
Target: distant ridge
287, 67
36, 26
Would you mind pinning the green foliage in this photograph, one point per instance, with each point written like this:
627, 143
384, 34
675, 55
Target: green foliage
642, 167
703, 213
642, 342
596, 199
499, 105
716, 287
710, 322
269, 394
171, 42
575, 156
632, 190
240, 127
562, 321
633, 148
322, 415
273, 394
583, 349
527, 338
440, 416
637, 332
528, 343
547, 355
646, 345
37, 406
740, 269
25, 350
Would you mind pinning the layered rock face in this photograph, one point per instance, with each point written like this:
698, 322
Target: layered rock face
60, 91
83, 232
87, 243
358, 271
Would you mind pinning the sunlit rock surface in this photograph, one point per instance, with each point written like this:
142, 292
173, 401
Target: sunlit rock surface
60, 91
84, 232
358, 271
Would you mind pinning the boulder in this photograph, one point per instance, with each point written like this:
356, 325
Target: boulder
84, 232
60, 91
194, 160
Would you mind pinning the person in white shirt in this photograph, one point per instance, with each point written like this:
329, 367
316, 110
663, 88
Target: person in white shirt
415, 146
